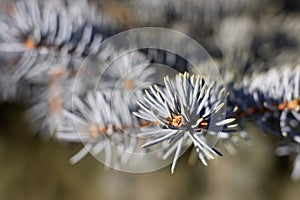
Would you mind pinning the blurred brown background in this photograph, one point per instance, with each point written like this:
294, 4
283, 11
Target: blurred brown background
34, 169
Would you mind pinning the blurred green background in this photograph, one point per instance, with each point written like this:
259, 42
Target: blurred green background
34, 169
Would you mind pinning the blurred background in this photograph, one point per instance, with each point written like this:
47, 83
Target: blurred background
239, 35
35, 169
